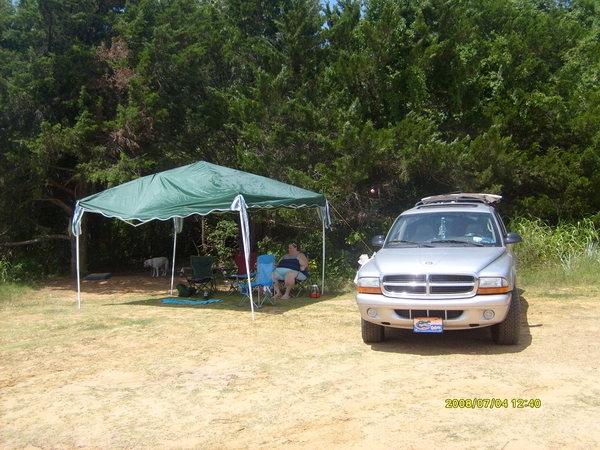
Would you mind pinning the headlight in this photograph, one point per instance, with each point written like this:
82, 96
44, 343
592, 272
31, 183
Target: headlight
366, 285
493, 285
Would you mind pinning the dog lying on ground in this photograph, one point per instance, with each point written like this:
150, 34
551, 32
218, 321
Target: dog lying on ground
160, 266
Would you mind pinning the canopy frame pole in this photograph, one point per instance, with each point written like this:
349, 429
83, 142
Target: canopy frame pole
77, 271
323, 262
173, 262
247, 261
239, 204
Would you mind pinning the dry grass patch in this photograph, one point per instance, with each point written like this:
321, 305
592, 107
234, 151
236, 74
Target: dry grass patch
126, 371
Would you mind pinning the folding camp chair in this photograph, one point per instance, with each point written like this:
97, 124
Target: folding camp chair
301, 287
240, 261
262, 283
203, 279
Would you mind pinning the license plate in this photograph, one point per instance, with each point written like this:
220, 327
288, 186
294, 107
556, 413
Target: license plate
428, 325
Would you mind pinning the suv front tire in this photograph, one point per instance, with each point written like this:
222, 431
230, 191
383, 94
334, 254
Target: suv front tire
508, 331
371, 332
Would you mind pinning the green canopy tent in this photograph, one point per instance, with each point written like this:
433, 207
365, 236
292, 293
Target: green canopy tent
200, 188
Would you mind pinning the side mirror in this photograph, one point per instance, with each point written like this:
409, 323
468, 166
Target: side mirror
513, 238
378, 240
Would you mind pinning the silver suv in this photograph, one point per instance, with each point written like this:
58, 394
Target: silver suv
446, 264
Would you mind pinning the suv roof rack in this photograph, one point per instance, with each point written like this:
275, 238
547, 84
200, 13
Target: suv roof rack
460, 197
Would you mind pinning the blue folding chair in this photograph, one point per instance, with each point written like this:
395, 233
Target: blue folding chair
262, 284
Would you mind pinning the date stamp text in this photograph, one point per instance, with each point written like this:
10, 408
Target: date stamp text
491, 403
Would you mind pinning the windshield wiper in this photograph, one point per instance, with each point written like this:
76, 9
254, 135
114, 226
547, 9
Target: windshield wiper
402, 241
457, 241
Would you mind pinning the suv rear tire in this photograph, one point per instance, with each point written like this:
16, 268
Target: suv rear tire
371, 332
508, 332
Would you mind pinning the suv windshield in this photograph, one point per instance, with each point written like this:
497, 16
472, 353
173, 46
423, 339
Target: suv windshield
444, 227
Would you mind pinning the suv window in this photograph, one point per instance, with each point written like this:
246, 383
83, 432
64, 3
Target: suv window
445, 227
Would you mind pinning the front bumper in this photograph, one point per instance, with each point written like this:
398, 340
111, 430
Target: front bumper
457, 314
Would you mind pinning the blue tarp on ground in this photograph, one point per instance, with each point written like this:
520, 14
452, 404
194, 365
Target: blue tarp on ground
180, 301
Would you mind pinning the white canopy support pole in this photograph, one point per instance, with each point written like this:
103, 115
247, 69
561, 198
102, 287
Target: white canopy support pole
323, 262
173, 260
246, 240
239, 204
177, 227
76, 230
326, 223
77, 271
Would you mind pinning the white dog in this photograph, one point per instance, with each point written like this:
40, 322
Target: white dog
160, 264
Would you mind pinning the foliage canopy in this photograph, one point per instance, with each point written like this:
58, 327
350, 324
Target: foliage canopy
410, 98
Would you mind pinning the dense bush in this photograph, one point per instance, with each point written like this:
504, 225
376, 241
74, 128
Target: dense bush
372, 103
565, 252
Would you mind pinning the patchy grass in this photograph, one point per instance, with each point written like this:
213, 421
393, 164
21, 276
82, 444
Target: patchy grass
126, 371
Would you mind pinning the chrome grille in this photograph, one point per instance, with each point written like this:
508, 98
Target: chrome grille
443, 314
429, 285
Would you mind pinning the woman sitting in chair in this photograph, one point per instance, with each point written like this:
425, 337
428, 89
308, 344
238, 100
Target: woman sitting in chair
290, 268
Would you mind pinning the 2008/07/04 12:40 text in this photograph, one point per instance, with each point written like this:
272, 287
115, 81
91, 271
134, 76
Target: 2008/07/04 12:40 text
491, 403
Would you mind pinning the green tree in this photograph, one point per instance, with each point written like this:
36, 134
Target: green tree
410, 98
52, 111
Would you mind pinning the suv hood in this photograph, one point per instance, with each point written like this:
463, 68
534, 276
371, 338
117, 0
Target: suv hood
433, 260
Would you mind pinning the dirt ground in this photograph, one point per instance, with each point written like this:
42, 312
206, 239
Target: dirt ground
128, 371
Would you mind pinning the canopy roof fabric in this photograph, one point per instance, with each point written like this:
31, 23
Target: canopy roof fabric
199, 188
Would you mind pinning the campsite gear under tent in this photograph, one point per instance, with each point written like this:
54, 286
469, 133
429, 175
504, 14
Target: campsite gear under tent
234, 279
301, 286
203, 279
262, 283
200, 188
